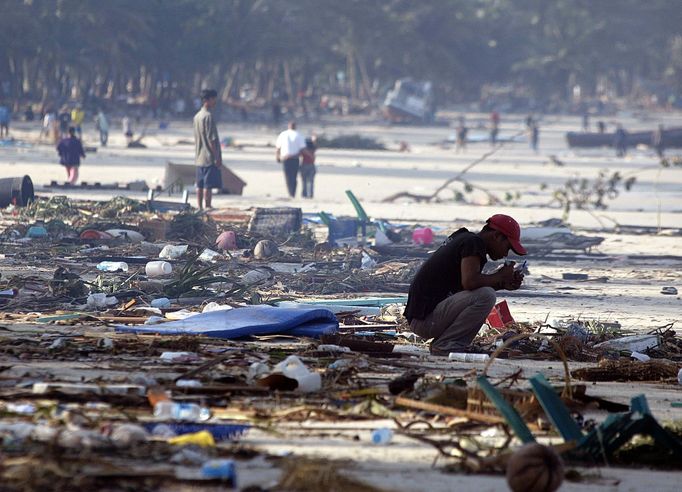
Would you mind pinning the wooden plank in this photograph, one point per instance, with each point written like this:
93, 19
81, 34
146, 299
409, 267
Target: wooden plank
443, 410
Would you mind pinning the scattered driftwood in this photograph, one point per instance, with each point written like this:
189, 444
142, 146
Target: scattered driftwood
448, 182
627, 370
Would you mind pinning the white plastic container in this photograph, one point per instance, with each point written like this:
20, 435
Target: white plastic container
292, 367
465, 357
158, 268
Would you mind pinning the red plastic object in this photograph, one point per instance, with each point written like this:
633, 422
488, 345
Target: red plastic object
93, 234
500, 316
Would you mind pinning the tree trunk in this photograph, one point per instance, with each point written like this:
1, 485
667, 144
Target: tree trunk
272, 80
230, 81
365, 80
350, 76
287, 81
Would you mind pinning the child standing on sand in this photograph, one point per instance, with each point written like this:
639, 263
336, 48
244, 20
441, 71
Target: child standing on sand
308, 167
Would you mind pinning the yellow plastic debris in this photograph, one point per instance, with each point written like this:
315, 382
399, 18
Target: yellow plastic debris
201, 438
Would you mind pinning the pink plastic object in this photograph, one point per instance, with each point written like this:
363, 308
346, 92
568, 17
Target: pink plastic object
227, 241
422, 235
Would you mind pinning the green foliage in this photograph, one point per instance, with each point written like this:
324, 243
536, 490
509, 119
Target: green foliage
119, 206
192, 277
55, 49
586, 194
55, 207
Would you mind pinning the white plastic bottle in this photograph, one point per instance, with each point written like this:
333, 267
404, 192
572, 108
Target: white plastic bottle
158, 268
170, 410
382, 436
465, 357
112, 266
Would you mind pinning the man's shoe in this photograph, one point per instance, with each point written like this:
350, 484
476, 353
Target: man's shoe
437, 352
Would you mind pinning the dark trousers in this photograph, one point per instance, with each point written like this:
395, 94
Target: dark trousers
307, 180
290, 175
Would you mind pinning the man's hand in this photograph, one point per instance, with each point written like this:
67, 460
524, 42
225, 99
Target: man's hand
516, 281
505, 276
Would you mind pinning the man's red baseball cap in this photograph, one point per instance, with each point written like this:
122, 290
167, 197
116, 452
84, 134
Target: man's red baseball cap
510, 228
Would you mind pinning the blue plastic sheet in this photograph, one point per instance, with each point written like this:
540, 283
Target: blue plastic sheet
247, 321
220, 432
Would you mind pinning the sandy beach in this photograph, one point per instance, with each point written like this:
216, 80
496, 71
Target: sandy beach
638, 257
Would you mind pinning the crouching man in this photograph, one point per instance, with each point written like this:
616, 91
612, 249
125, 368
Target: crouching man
449, 297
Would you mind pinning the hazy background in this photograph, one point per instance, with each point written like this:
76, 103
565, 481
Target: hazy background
521, 55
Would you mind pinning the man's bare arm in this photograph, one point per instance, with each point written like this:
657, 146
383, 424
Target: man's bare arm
473, 279
215, 144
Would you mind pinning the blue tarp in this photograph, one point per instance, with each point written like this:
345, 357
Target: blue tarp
220, 432
252, 320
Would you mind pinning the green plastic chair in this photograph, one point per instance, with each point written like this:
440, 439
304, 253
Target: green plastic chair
363, 218
597, 445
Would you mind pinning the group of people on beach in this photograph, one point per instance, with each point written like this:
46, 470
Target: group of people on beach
293, 151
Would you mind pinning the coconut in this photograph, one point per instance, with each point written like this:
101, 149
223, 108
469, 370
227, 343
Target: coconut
265, 249
535, 468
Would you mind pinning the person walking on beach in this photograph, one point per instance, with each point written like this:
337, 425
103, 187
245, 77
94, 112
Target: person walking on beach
70, 151
64, 118
494, 127
657, 141
5, 117
208, 157
77, 117
102, 125
450, 297
461, 138
127, 127
534, 135
288, 149
620, 141
49, 127
308, 167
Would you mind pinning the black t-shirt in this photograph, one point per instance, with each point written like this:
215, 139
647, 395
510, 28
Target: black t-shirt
441, 274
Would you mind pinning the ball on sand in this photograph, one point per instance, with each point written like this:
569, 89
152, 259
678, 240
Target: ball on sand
535, 468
